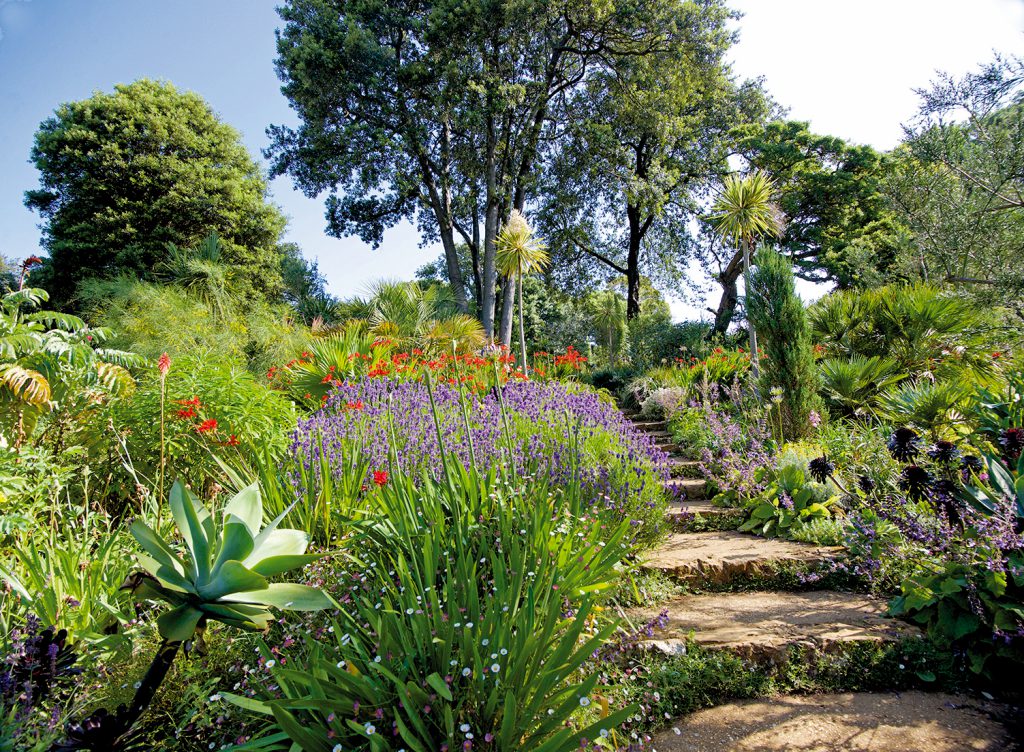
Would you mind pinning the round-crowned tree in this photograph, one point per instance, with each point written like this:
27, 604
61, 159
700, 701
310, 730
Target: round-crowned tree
124, 174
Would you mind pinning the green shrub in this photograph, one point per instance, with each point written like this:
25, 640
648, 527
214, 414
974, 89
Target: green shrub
779, 318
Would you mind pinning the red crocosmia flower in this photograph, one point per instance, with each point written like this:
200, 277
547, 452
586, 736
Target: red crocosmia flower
996, 355
210, 424
380, 477
186, 413
307, 395
356, 405
163, 364
306, 355
194, 402
232, 440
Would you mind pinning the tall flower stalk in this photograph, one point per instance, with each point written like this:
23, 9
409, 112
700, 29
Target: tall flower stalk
163, 365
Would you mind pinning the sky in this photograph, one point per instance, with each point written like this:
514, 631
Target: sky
849, 68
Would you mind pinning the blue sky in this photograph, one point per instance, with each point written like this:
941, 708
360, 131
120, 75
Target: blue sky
848, 67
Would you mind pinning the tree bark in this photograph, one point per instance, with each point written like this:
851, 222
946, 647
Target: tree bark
522, 328
728, 279
507, 301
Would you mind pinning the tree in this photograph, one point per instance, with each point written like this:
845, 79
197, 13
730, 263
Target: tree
957, 184
438, 112
608, 309
123, 174
305, 288
641, 143
776, 312
743, 214
520, 253
839, 227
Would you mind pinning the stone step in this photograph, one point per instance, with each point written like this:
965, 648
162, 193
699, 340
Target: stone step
651, 426
850, 722
763, 626
682, 468
660, 437
723, 558
701, 515
688, 488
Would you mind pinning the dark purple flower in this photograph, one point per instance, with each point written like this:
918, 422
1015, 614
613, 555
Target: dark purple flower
1011, 441
904, 444
821, 468
944, 452
915, 481
866, 483
971, 463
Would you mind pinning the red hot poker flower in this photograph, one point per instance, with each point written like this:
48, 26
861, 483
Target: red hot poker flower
164, 364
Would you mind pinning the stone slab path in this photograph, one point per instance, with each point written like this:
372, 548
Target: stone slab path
861, 722
763, 624
723, 556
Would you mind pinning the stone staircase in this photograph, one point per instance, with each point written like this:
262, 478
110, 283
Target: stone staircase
706, 555
747, 596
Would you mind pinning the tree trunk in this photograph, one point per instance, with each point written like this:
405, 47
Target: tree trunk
728, 279
633, 265
522, 328
507, 303
750, 325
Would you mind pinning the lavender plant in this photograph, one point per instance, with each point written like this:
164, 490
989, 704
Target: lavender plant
371, 429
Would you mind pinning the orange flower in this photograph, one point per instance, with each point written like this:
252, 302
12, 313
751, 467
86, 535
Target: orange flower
207, 425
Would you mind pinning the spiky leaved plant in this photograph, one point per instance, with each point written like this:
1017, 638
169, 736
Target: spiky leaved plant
519, 253
223, 575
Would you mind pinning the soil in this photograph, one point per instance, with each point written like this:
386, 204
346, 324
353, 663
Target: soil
861, 722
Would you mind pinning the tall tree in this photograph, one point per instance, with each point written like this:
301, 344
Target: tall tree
957, 184
641, 143
125, 173
437, 111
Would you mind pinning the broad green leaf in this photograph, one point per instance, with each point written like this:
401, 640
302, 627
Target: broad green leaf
275, 565
186, 516
278, 543
179, 624
232, 577
246, 506
286, 595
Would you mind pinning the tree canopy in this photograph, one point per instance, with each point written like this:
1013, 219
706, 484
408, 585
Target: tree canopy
123, 174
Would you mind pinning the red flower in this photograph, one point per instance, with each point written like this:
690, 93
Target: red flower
186, 413
232, 440
207, 425
996, 355
194, 402
380, 477
357, 405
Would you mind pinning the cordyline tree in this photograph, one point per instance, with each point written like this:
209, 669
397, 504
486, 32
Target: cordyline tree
436, 111
838, 225
641, 143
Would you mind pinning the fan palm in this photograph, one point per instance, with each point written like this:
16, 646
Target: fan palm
609, 310
520, 253
743, 214
201, 271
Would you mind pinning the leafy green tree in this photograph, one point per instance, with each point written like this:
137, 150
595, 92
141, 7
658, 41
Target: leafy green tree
608, 311
305, 288
743, 214
439, 112
839, 227
125, 173
640, 143
778, 314
957, 184
520, 253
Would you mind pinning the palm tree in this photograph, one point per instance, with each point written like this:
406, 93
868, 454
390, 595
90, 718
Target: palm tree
201, 271
520, 253
609, 310
744, 214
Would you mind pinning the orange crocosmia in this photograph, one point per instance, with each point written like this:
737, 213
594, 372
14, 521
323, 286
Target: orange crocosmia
210, 424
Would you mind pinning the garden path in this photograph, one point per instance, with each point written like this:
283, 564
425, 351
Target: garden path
749, 596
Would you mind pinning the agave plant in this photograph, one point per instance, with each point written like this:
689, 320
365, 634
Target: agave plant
223, 575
